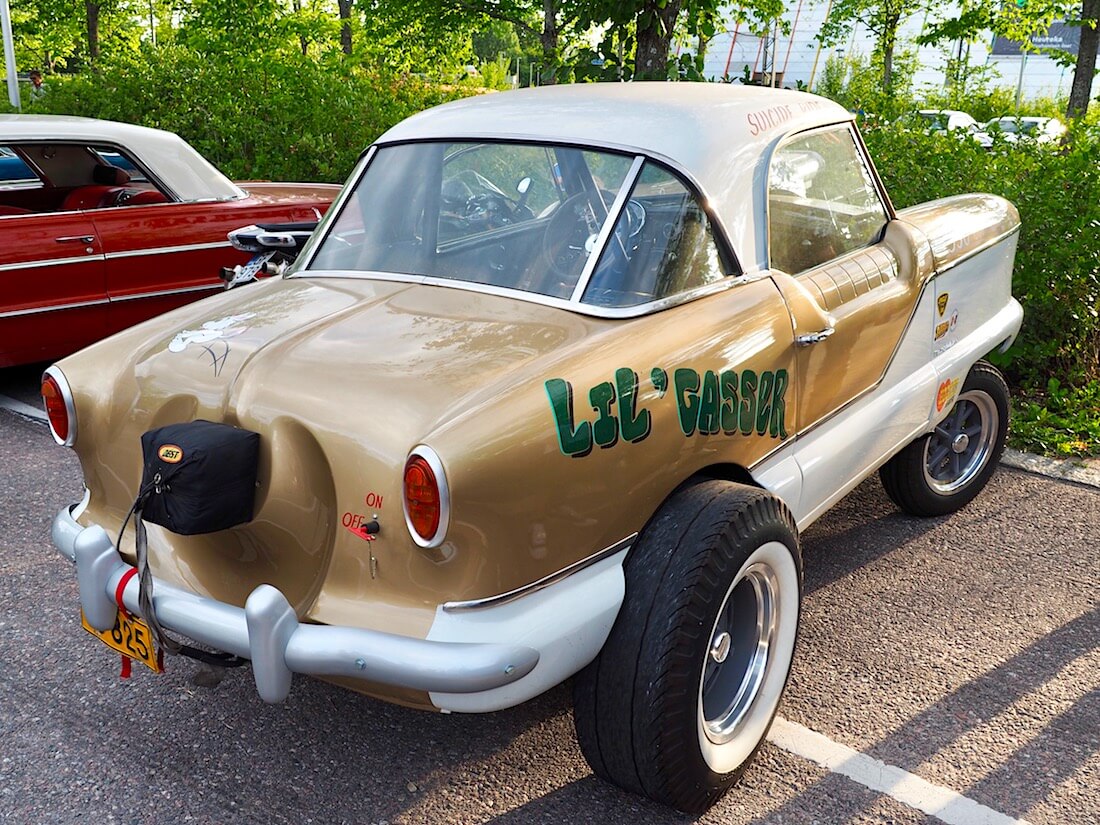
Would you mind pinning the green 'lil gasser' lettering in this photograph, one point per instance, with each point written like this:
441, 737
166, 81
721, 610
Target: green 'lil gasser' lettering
709, 404
606, 429
633, 424
574, 441
686, 382
748, 401
719, 402
728, 382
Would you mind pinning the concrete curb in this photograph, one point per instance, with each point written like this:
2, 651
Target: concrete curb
1081, 470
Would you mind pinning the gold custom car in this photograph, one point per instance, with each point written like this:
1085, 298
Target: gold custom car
551, 391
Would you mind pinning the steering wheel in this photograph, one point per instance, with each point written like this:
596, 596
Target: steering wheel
491, 211
573, 229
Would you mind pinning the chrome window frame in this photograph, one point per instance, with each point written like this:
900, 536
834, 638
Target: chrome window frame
869, 168
735, 273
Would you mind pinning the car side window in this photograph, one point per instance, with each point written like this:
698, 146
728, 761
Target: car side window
662, 245
14, 170
822, 201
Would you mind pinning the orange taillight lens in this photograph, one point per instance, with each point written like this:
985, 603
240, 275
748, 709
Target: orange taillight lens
56, 410
422, 500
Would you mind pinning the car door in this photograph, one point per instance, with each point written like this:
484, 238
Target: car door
849, 272
53, 294
162, 256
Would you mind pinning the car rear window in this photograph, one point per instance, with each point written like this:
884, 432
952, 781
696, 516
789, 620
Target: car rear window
605, 228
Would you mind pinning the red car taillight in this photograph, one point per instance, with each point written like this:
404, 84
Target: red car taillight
422, 502
425, 498
59, 406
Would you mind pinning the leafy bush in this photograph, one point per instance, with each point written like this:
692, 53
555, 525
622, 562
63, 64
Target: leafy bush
1057, 275
291, 118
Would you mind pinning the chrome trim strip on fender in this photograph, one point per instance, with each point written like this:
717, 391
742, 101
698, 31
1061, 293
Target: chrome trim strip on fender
38, 310
137, 296
164, 250
51, 262
978, 250
545, 581
581, 308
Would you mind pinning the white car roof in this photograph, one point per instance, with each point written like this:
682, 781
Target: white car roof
720, 135
183, 170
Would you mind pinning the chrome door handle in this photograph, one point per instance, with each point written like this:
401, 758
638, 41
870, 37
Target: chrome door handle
75, 239
814, 337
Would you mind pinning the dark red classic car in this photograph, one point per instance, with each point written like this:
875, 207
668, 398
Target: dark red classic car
106, 224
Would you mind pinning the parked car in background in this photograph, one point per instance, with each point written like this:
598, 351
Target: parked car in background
104, 224
551, 391
944, 121
1039, 129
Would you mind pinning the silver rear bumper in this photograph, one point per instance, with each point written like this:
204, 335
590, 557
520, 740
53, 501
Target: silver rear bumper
268, 632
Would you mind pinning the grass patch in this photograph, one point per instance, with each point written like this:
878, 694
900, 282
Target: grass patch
1060, 421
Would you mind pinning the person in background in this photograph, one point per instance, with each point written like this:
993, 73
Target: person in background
38, 90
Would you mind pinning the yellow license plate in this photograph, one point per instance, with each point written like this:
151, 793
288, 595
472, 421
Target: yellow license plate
130, 636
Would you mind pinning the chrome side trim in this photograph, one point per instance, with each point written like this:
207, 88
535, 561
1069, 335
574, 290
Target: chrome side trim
50, 262
432, 457
612, 218
70, 407
534, 297
545, 581
164, 250
39, 310
115, 299
978, 250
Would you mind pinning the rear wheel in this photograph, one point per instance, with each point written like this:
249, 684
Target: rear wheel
687, 684
944, 470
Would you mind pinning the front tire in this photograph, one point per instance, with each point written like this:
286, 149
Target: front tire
944, 470
683, 693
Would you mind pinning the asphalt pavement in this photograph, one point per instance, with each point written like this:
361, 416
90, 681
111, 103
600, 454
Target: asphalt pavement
959, 653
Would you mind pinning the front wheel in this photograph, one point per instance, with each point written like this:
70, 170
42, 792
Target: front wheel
941, 472
687, 684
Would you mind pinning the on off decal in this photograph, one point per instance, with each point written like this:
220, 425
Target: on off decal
170, 454
709, 403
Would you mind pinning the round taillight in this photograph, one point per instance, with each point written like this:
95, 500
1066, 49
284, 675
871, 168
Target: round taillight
423, 503
57, 408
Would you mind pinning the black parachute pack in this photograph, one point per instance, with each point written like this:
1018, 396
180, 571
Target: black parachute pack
197, 477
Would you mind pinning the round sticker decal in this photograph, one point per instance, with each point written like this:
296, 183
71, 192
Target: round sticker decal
170, 454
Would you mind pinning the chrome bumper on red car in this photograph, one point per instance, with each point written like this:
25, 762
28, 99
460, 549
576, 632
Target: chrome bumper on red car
268, 632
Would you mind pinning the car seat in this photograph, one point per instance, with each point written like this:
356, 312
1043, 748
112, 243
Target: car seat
108, 182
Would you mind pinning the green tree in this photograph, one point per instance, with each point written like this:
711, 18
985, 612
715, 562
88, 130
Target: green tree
1085, 69
45, 33
1020, 21
883, 17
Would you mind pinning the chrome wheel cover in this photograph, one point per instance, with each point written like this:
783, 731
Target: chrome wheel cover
960, 446
739, 652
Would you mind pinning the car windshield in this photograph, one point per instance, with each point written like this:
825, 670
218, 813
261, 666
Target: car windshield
558, 221
937, 121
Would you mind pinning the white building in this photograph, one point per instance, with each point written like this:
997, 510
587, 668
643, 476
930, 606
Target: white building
799, 57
